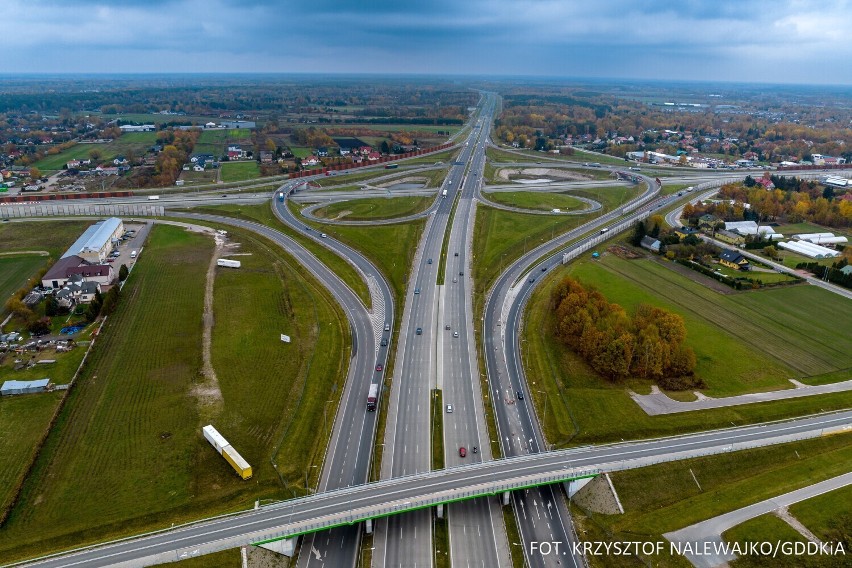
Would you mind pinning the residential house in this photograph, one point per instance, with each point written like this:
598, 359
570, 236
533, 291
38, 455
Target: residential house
88, 290
733, 259
684, 232
236, 152
707, 221
198, 167
73, 164
650, 243
730, 237
765, 183
310, 161
374, 156
119, 161
322, 152
266, 157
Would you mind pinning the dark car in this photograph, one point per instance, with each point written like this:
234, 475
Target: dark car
384, 342
532, 280
419, 331
417, 290
543, 268
379, 368
461, 273
429, 261
520, 395
462, 452
456, 254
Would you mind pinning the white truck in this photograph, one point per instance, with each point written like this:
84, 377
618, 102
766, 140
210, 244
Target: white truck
153, 197
228, 263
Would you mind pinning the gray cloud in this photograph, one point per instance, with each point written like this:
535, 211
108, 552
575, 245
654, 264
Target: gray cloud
688, 39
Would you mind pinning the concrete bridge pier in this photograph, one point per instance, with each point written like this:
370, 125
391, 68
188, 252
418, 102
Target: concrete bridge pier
368, 526
440, 511
506, 496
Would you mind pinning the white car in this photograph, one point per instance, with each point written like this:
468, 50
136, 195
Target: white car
449, 409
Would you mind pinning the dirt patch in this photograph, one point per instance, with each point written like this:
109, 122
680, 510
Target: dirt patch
207, 392
624, 252
341, 215
262, 558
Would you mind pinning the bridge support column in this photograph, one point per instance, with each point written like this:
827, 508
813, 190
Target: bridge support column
368, 526
440, 511
506, 496
575, 485
286, 546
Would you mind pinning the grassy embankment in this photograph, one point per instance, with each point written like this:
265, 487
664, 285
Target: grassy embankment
130, 430
666, 497
744, 342
375, 208
537, 200
15, 270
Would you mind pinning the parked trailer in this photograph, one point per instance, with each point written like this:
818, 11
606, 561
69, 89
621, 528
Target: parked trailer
227, 451
228, 263
373, 397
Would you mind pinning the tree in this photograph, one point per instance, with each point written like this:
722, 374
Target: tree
40, 326
123, 272
384, 147
638, 234
111, 300
95, 154
18, 308
51, 306
35, 173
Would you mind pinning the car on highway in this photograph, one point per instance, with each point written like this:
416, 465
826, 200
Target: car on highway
387, 327
456, 254
224, 195
379, 368
384, 342
324, 236
520, 395
455, 279
475, 450
449, 409
447, 326
462, 452
429, 261
461, 273
417, 290
419, 331
544, 269
455, 334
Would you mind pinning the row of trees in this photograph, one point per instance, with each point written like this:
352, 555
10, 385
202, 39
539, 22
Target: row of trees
647, 344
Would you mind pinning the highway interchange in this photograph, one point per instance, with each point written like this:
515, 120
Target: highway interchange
436, 350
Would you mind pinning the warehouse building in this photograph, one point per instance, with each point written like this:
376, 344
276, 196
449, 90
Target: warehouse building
24, 387
97, 241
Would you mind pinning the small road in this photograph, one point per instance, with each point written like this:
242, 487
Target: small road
710, 531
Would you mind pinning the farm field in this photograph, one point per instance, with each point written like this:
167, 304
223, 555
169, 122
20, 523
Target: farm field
744, 342
666, 497
537, 200
131, 429
136, 142
375, 208
16, 270
23, 421
239, 171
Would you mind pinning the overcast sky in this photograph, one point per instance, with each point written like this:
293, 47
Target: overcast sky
789, 41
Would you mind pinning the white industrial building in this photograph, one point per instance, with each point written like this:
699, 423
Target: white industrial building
809, 249
24, 387
752, 228
96, 242
821, 238
138, 128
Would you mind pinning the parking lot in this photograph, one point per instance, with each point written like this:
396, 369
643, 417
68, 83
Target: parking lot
133, 242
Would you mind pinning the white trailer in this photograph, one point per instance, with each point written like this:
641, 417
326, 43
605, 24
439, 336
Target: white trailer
228, 263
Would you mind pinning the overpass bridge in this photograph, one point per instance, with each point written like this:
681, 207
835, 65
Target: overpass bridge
356, 504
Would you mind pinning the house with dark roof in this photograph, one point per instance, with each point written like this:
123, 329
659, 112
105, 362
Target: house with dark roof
684, 232
733, 259
71, 267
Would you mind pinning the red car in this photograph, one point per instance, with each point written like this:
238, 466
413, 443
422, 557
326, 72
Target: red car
462, 452
379, 368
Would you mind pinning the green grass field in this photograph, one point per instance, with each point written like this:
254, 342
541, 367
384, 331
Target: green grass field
769, 528
823, 515
16, 270
301, 151
374, 208
743, 342
239, 171
665, 497
51, 236
131, 429
537, 200
390, 247
23, 421
223, 136
263, 214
